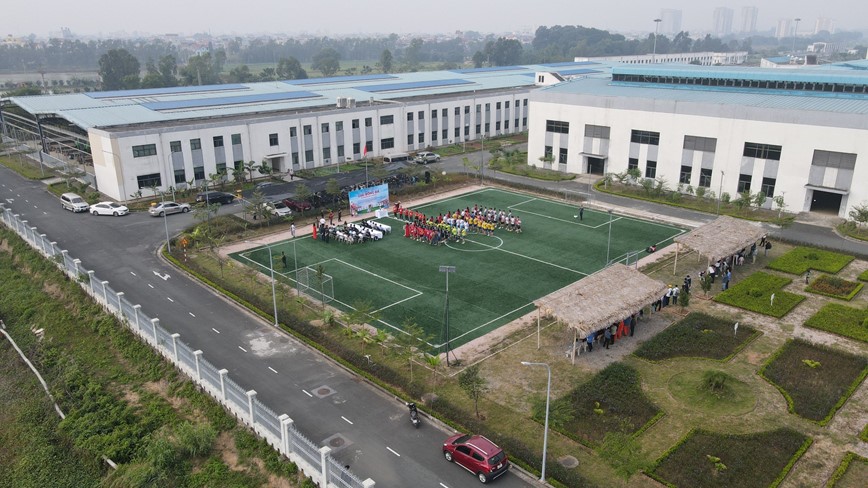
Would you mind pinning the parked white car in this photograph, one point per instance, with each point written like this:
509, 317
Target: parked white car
168, 208
279, 209
109, 208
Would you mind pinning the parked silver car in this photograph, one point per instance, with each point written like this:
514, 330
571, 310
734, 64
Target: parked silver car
168, 208
426, 157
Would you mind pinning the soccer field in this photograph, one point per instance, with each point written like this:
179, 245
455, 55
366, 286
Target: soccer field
496, 279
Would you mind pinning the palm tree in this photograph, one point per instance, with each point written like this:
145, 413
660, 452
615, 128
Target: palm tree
238, 174
250, 167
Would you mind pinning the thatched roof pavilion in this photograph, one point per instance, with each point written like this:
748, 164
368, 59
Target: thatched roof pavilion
596, 301
722, 237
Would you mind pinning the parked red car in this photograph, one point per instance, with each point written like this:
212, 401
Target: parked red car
297, 205
476, 454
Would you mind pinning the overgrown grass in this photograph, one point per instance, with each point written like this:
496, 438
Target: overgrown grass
863, 276
754, 293
26, 167
801, 259
711, 460
832, 286
851, 473
698, 336
842, 320
854, 230
815, 380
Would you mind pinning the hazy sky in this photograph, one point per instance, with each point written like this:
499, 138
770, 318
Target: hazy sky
335, 17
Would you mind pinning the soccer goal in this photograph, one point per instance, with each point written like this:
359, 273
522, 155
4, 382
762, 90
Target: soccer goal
320, 286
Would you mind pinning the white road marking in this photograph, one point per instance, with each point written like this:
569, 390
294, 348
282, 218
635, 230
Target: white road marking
306, 393
170, 299
239, 347
150, 285
132, 273
444, 486
215, 330
393, 451
347, 420
272, 370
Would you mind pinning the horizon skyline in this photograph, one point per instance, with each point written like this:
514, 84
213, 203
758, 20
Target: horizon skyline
321, 21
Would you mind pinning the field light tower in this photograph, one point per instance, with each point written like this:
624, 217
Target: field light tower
656, 29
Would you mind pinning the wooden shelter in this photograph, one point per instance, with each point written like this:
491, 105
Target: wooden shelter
722, 237
597, 301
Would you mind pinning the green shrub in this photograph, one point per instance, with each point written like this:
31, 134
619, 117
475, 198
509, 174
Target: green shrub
817, 392
717, 383
754, 294
834, 287
842, 320
800, 259
842, 472
863, 276
688, 338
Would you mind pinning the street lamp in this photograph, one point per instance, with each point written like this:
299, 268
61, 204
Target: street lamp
609, 242
795, 32
273, 290
166, 224
720, 191
546, 430
656, 29
447, 270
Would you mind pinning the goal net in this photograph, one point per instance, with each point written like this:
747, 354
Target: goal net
318, 286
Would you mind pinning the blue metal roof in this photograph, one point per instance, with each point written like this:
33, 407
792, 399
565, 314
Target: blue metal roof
580, 71
176, 90
340, 79
795, 75
220, 101
568, 63
413, 85
488, 70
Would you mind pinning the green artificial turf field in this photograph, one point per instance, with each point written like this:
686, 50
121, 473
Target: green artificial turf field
496, 278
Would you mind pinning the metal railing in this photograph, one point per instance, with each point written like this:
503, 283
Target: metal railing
278, 430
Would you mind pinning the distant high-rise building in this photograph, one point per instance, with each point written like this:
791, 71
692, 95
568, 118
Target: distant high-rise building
748, 19
671, 21
824, 24
784, 28
722, 21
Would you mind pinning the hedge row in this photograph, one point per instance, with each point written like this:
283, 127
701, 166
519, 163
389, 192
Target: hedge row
834, 287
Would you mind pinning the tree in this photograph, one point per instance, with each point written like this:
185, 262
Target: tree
327, 61
290, 69
265, 168
333, 189
410, 341
259, 207
119, 70
705, 283
302, 193
250, 167
238, 174
859, 213
240, 74
473, 385
478, 59
412, 54
201, 70
504, 52
386, 60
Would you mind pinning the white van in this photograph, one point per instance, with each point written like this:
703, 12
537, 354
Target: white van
396, 158
73, 202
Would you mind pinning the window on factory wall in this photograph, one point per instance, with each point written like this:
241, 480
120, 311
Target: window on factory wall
498, 106
144, 150
293, 132
457, 110
524, 121
421, 115
369, 121
762, 151
221, 168
488, 107
308, 156
195, 144
326, 153
444, 134
272, 140
645, 137
548, 152
409, 115
357, 148
236, 139
744, 182
355, 123
632, 163
562, 155
597, 131
768, 187
479, 128
478, 108
198, 173
370, 145
149, 181
433, 135
307, 130
506, 105
341, 151
686, 172
421, 138
218, 141
387, 119
497, 126
324, 128
239, 165
650, 169
339, 126
434, 114
467, 109
705, 178
696, 143
505, 125
457, 132
180, 176
487, 127
175, 146
445, 112
410, 138
516, 123
294, 158
466, 130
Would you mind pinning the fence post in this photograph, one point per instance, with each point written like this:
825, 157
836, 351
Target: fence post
284, 434
119, 295
77, 263
250, 396
64, 253
53, 245
175, 337
90, 278
33, 235
323, 455
136, 311
222, 374
23, 230
105, 293
42, 243
368, 483
17, 223
196, 354
154, 323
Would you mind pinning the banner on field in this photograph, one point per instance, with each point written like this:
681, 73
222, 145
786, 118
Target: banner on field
369, 199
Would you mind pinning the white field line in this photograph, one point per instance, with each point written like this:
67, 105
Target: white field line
607, 223
457, 197
487, 323
528, 257
521, 203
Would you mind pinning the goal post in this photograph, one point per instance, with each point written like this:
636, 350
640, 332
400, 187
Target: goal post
318, 286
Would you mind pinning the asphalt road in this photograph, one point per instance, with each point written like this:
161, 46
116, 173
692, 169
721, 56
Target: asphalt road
371, 430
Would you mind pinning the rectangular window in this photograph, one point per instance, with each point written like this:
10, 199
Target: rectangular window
294, 159
308, 156
705, 178
524, 121
218, 141
498, 106
324, 128
149, 181
421, 138
762, 151
339, 126
387, 119
445, 112
369, 121
516, 123
487, 127
221, 168
467, 109
548, 152
744, 182
341, 151
832, 159
357, 148
650, 169
768, 187
488, 107
479, 128
696, 143
525, 102
355, 123
410, 138
434, 114
236, 139
506, 105
597, 131
369, 145
195, 144
433, 135
144, 150
632, 163
478, 108
457, 133
645, 137
175, 146
684, 177
180, 176
239, 165
505, 125
409, 115
562, 155
466, 130
421, 115
497, 126
444, 134
457, 110
272, 140
293, 132
307, 130
198, 173
326, 153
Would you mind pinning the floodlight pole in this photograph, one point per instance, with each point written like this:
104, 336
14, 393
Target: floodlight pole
166, 224
795, 33
273, 290
447, 270
609, 242
295, 263
656, 29
546, 429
